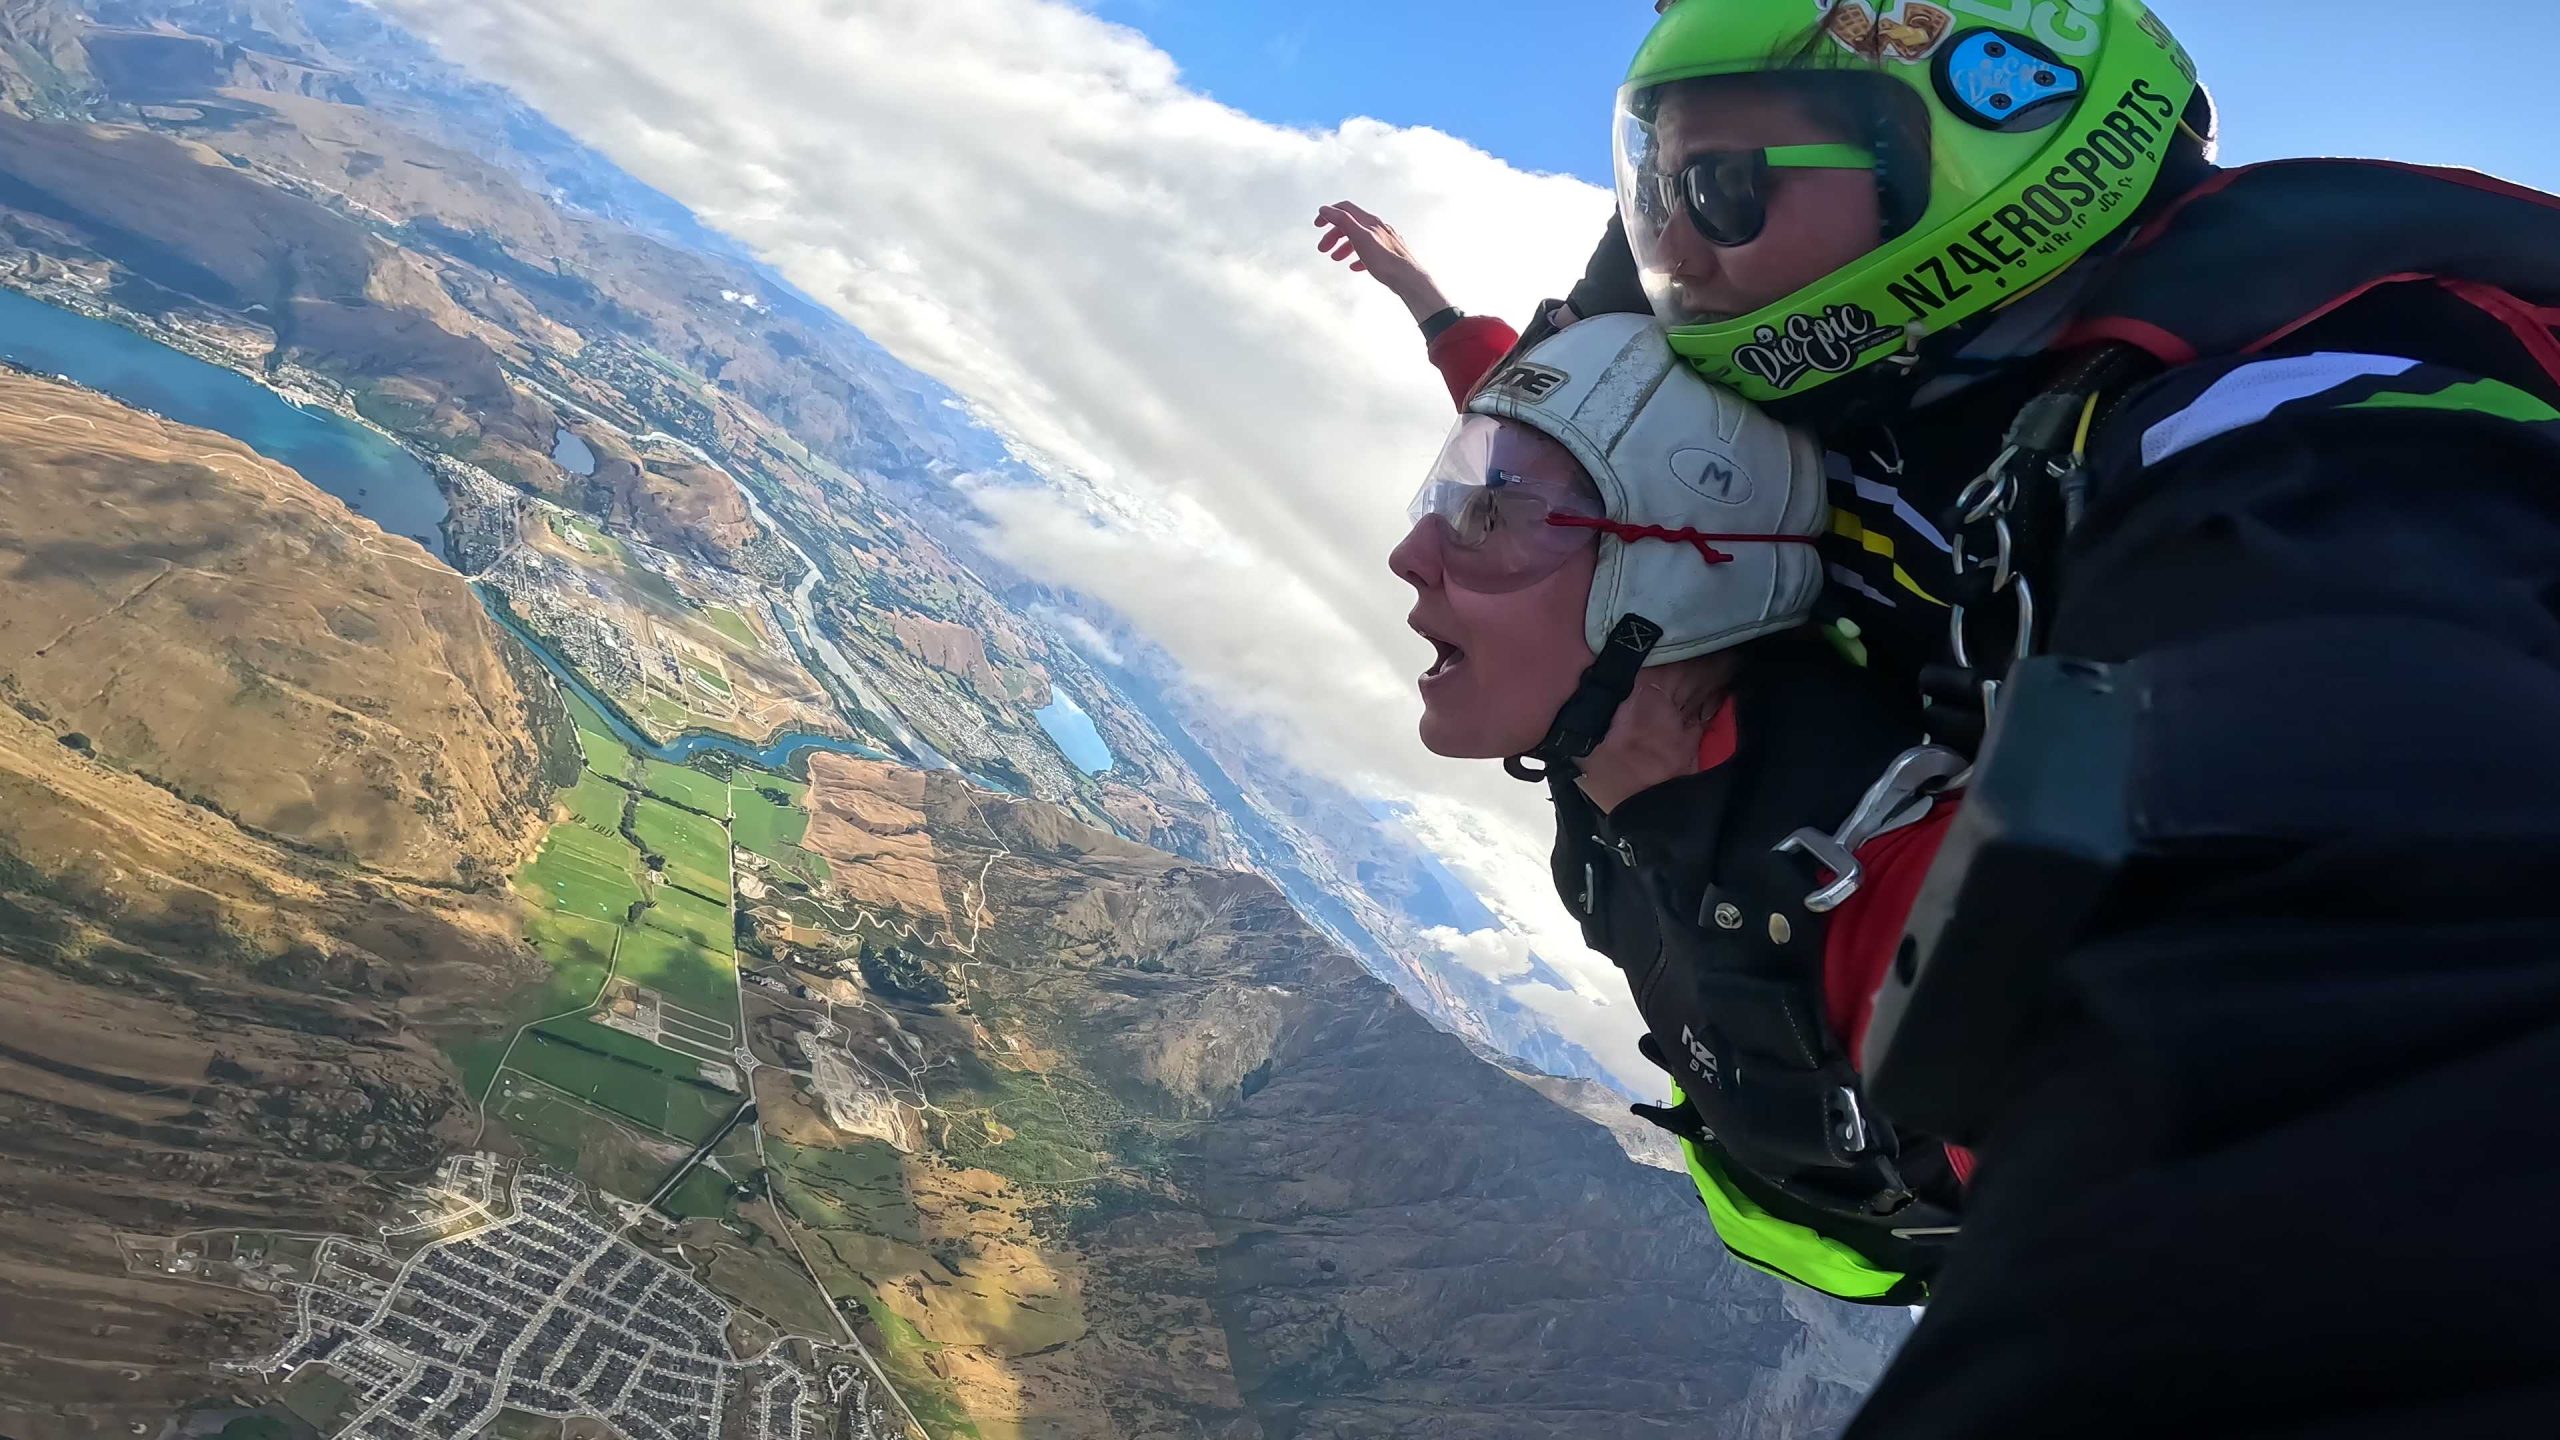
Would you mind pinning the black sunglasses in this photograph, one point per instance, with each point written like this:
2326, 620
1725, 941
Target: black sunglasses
1726, 192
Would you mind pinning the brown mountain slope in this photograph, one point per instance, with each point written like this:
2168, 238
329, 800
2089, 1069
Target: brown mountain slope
205, 1029
209, 619
1186, 1169
211, 1020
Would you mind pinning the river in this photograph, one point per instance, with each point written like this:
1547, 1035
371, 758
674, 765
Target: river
775, 754
375, 478
800, 622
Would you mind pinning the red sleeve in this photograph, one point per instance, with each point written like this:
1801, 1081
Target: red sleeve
1467, 350
1867, 928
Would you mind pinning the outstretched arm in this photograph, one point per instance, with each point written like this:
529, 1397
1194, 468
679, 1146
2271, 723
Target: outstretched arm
1374, 248
1464, 348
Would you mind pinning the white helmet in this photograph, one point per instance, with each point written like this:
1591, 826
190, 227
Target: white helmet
1730, 499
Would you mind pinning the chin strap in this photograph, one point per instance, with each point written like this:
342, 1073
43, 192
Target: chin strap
1584, 721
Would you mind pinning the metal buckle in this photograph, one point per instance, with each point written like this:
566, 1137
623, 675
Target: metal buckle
1898, 798
1845, 1123
1990, 493
2019, 648
1916, 773
1831, 855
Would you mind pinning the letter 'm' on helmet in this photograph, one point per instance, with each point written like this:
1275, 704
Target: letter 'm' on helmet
2047, 123
1665, 448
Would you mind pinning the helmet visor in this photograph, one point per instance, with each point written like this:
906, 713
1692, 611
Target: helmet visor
1495, 496
1681, 201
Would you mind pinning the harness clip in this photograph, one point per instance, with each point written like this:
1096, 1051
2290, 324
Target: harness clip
1900, 797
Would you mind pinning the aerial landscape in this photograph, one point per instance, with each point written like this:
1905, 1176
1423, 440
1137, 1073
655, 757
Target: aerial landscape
550, 889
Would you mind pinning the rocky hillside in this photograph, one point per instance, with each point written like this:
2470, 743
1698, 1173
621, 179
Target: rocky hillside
1163, 1117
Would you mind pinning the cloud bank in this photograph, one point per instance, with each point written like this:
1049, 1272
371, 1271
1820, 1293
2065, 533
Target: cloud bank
1025, 202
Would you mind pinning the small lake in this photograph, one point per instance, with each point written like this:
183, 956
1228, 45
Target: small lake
376, 478
1074, 733
571, 454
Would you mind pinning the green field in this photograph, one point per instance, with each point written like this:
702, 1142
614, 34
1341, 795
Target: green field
595, 802
583, 1140
732, 624
767, 828
591, 1042
691, 975
709, 677
687, 787
583, 888
580, 952
683, 913
606, 753
566, 525
772, 830
320, 1397
703, 1194
581, 955
624, 1074
696, 849
580, 872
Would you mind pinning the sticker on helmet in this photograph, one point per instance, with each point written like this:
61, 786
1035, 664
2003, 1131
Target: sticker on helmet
2102, 174
2006, 82
1906, 30
2071, 27
1530, 382
1832, 342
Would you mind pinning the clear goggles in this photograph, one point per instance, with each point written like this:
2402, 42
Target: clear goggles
1511, 504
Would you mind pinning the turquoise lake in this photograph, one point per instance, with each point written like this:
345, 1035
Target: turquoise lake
375, 478
1073, 732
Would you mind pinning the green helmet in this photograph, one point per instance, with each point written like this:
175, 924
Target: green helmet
2008, 137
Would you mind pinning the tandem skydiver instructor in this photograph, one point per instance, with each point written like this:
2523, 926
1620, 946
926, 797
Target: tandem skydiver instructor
2199, 528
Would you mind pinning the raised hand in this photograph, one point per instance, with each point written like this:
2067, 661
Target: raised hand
1373, 246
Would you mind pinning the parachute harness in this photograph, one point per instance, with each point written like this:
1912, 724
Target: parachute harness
2008, 525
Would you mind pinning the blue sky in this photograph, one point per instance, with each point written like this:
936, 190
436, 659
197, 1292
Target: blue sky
2454, 82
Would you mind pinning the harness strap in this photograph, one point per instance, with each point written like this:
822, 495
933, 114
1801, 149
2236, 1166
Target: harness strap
1584, 721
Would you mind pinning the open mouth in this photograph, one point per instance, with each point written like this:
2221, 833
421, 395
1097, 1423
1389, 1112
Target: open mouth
1445, 656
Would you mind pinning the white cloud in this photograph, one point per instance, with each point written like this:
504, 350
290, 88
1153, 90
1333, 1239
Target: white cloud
1493, 954
1086, 636
1024, 201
